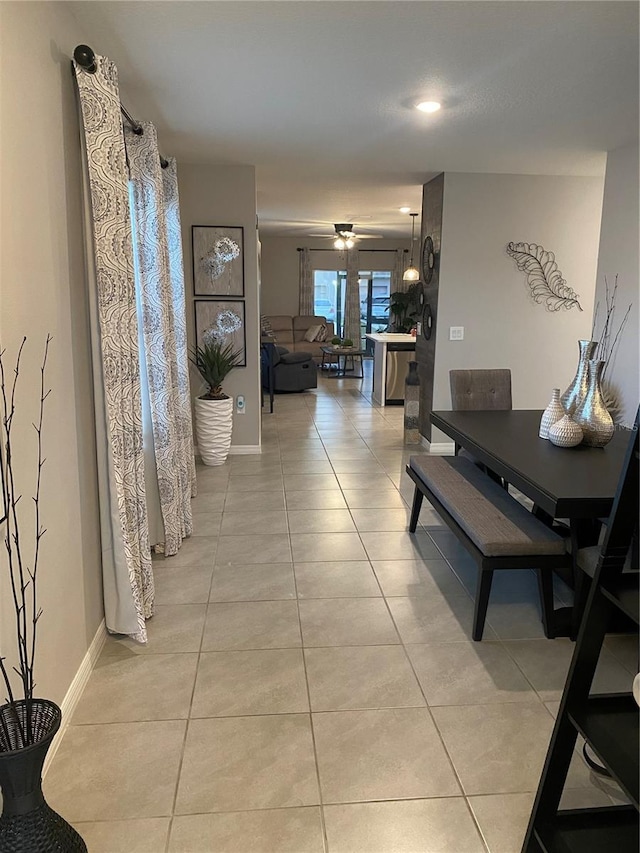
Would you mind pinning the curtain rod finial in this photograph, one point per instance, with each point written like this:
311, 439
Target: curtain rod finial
86, 58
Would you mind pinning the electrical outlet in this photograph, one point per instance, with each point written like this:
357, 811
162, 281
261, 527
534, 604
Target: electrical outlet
240, 407
456, 333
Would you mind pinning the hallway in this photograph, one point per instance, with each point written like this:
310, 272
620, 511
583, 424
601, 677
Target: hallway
309, 683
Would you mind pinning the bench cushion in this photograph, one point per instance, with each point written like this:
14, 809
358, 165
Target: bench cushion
494, 521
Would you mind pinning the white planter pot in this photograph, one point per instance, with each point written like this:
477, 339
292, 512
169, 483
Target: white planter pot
214, 422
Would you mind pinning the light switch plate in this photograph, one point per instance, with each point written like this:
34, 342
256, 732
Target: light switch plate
456, 333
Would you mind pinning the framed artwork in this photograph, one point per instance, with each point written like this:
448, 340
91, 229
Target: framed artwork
222, 320
218, 260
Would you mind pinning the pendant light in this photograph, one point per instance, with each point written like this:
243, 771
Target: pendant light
411, 273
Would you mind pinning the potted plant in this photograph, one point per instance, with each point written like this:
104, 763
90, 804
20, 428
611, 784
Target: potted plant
214, 410
404, 307
27, 724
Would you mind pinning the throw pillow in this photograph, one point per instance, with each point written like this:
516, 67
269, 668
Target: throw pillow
266, 329
321, 337
310, 334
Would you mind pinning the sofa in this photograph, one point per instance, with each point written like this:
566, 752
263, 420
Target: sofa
289, 332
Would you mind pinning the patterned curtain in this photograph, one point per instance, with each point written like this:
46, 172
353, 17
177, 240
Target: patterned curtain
306, 285
397, 284
158, 327
352, 300
127, 573
176, 276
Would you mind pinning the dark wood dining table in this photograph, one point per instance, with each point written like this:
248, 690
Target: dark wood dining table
577, 484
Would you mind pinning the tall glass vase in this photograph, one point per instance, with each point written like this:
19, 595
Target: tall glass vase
577, 390
591, 414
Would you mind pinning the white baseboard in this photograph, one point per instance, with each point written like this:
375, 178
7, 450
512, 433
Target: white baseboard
439, 448
74, 692
236, 449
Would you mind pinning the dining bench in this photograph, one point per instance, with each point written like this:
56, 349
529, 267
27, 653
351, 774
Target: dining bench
497, 530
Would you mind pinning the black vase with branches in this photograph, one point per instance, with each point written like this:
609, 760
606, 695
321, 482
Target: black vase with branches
27, 724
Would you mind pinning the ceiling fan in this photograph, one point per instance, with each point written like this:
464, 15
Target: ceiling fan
345, 237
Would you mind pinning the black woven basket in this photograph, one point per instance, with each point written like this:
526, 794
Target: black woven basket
28, 824
43, 721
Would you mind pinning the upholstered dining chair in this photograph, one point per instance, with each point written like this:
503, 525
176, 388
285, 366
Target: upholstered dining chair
480, 390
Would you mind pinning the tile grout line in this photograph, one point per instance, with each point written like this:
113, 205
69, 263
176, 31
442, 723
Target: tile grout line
193, 690
410, 662
407, 656
325, 841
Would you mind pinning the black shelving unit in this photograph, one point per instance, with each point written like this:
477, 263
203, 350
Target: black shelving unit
609, 722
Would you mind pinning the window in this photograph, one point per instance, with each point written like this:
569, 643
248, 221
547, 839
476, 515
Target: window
329, 289
375, 287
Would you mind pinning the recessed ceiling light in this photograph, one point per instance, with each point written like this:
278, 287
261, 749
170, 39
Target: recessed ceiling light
405, 209
428, 106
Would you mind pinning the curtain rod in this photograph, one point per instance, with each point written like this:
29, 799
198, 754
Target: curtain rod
86, 58
406, 251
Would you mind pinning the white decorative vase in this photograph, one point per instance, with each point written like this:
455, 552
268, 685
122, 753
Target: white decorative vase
552, 414
565, 433
214, 422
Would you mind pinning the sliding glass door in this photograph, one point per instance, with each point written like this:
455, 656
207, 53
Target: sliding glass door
375, 287
329, 290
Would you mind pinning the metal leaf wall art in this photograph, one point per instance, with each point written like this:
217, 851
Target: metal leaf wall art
545, 280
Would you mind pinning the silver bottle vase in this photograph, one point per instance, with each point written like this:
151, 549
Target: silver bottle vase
577, 390
592, 415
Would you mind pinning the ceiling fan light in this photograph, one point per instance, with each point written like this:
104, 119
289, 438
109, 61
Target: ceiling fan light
340, 243
349, 243
410, 274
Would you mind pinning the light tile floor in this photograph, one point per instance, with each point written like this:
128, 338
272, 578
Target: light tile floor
309, 683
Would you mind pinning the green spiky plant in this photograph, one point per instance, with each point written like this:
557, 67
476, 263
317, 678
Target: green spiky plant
214, 362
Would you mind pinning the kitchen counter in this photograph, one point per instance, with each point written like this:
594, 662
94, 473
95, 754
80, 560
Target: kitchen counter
390, 337
390, 356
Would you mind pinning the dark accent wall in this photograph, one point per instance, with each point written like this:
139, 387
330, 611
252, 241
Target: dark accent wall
431, 225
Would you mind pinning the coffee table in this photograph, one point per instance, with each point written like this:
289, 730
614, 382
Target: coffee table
345, 353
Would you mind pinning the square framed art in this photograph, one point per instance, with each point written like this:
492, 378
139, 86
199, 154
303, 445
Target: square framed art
218, 260
223, 320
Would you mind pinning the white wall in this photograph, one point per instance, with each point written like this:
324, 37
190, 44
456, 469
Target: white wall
280, 267
43, 289
226, 195
482, 289
619, 255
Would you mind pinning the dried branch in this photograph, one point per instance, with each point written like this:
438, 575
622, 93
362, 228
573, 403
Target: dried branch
22, 578
36, 499
615, 341
606, 347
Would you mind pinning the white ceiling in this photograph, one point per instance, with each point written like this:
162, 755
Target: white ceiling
318, 95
